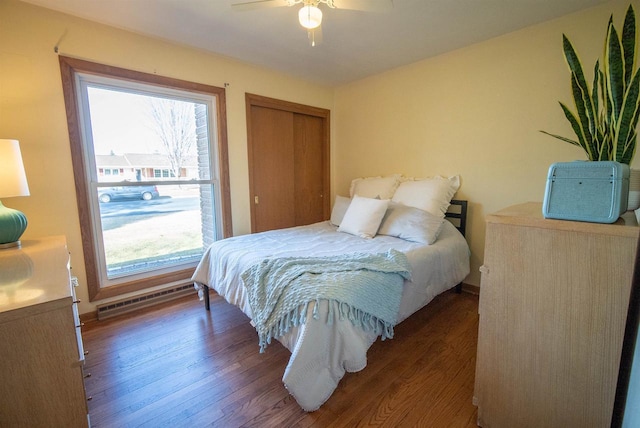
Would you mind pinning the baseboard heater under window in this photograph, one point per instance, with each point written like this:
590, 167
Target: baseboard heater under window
113, 309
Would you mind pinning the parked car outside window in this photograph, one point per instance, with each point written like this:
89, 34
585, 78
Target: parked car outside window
108, 194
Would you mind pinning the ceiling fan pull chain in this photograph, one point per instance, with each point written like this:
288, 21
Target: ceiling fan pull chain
312, 37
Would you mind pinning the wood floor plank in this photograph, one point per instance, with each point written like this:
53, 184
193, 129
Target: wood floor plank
178, 365
408, 374
416, 339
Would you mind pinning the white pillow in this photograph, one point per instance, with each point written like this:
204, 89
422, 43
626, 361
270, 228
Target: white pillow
375, 187
363, 216
430, 194
411, 224
339, 209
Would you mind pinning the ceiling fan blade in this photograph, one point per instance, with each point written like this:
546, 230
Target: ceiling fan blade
241, 5
315, 36
365, 5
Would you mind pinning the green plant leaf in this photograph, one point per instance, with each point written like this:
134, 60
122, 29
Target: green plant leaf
580, 90
625, 130
604, 90
629, 44
596, 80
573, 61
587, 123
598, 118
630, 152
559, 137
633, 132
614, 69
578, 131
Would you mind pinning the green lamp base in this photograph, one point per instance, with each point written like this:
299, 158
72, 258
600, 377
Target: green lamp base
12, 225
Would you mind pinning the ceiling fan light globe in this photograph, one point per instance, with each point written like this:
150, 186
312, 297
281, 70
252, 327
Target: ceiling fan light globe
310, 17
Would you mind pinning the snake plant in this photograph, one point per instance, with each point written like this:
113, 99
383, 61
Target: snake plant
606, 116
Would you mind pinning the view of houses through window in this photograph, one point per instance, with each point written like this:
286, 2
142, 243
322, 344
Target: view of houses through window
151, 172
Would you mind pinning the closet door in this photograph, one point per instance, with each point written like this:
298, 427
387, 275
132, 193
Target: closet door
273, 172
288, 148
308, 169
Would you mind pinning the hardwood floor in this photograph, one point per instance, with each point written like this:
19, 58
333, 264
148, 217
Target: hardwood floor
177, 365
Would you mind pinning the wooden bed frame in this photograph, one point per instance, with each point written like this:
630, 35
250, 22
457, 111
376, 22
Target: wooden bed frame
458, 219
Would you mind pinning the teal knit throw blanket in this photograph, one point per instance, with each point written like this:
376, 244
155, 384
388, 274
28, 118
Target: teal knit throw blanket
365, 288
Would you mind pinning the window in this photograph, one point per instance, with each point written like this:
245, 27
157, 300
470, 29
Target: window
164, 173
150, 163
109, 171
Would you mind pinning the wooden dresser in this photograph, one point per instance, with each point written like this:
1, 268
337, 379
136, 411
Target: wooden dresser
41, 354
553, 304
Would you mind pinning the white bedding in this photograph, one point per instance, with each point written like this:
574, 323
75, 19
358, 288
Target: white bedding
321, 353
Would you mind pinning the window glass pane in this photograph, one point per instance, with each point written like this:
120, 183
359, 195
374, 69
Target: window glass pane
152, 227
148, 136
144, 145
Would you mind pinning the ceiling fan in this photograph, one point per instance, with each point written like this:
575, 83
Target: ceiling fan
310, 15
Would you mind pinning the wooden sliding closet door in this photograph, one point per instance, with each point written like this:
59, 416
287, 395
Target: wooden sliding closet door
273, 169
308, 169
288, 147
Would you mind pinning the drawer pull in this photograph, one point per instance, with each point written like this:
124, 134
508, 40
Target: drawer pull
87, 375
77, 301
89, 398
86, 352
81, 325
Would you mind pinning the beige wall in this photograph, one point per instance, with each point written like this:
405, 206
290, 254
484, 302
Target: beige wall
32, 108
474, 112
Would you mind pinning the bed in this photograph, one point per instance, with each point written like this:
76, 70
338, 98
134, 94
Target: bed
323, 345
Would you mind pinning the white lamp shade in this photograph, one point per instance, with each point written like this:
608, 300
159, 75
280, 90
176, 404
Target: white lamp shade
13, 180
310, 17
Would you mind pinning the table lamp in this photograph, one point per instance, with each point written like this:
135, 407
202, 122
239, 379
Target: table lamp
13, 182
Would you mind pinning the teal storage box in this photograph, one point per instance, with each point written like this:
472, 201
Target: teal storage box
586, 191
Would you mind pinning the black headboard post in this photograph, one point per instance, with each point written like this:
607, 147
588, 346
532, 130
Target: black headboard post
461, 216
461, 219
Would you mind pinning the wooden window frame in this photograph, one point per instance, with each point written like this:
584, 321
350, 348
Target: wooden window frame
69, 67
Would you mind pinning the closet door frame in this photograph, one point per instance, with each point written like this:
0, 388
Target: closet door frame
253, 100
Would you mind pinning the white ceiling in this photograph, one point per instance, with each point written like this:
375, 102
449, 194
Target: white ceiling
355, 44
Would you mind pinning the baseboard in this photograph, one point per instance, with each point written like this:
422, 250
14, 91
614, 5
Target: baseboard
133, 303
89, 316
471, 289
